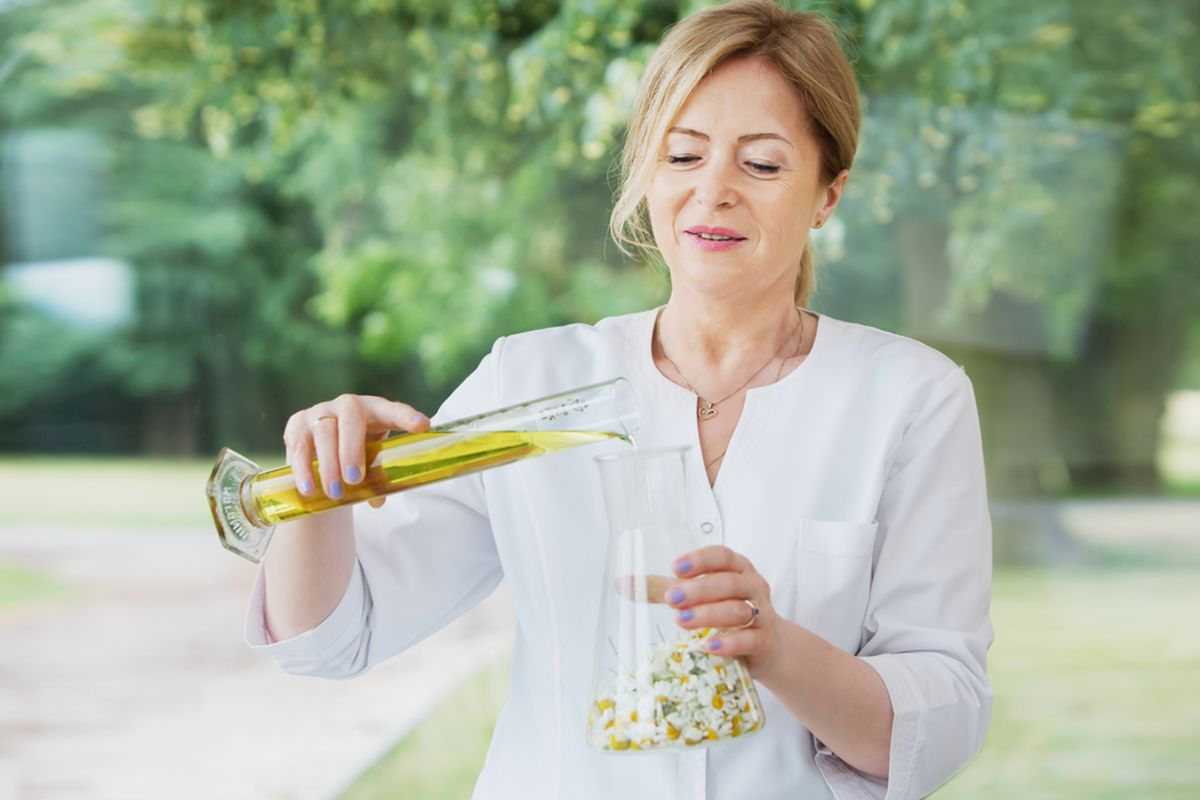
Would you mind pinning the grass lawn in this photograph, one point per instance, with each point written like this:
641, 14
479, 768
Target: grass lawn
1097, 688
108, 491
21, 585
1096, 672
1097, 696
158, 495
170, 492
441, 758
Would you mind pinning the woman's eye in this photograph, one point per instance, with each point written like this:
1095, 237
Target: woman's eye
763, 168
682, 159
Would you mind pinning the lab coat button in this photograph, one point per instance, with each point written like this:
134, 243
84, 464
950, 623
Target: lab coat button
706, 527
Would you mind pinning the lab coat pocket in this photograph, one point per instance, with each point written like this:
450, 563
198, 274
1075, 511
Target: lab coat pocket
833, 579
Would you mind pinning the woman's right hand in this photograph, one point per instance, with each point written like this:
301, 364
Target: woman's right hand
335, 433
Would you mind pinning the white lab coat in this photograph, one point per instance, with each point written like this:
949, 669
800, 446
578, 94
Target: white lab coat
855, 485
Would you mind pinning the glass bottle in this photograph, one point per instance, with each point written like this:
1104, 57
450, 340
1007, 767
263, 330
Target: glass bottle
654, 684
247, 504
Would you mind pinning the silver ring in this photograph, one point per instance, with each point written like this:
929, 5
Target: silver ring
753, 615
312, 426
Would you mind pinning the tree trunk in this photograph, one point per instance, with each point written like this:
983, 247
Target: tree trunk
1002, 349
1091, 424
1112, 400
169, 427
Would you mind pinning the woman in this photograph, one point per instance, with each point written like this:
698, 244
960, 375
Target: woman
844, 500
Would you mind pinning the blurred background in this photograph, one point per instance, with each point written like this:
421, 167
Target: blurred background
213, 214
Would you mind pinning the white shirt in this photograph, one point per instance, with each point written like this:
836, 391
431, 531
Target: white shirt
855, 485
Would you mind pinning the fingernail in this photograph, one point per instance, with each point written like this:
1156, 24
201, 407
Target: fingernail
683, 566
335, 490
305, 487
676, 596
418, 418
714, 644
353, 475
686, 615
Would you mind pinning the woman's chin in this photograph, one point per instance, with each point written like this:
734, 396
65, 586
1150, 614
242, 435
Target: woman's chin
724, 284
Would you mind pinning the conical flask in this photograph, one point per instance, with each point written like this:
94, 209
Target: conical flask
247, 504
654, 684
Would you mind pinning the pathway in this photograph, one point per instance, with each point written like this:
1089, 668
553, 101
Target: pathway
140, 686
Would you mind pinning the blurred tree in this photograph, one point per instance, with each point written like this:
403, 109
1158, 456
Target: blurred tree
216, 348
47, 366
39, 356
1038, 167
436, 175
454, 155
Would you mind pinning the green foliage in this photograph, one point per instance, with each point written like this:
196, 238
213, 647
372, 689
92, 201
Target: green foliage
1025, 125
382, 187
37, 355
224, 265
453, 154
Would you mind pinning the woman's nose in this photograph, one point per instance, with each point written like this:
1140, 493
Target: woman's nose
715, 185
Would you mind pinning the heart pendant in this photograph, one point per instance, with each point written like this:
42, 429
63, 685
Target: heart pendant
706, 413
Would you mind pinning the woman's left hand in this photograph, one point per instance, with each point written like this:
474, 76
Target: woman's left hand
717, 585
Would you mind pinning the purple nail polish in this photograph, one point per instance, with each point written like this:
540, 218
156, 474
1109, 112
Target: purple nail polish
686, 615
335, 490
353, 475
676, 596
683, 566
714, 644
305, 487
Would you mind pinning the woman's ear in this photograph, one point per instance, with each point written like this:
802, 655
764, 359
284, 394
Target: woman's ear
833, 196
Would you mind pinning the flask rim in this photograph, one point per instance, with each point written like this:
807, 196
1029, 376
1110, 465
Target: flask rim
644, 453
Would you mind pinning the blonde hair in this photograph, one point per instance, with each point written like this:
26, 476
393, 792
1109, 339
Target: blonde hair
802, 46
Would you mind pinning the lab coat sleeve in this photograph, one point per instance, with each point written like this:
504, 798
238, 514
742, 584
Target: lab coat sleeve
424, 558
926, 629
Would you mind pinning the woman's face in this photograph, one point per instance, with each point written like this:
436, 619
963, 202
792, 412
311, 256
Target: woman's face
737, 185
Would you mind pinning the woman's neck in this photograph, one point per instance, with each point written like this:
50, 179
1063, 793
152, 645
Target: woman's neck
727, 337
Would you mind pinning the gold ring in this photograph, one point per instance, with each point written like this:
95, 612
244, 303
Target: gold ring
312, 426
753, 615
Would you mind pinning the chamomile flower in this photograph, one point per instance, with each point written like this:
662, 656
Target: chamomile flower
683, 697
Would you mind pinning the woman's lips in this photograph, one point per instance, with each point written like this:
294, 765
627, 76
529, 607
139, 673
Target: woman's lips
707, 238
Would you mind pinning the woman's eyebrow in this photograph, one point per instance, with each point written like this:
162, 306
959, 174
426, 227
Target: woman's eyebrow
749, 137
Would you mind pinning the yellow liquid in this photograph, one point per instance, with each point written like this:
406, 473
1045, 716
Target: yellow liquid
403, 462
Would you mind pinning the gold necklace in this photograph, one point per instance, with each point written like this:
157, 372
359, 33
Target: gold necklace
778, 373
707, 409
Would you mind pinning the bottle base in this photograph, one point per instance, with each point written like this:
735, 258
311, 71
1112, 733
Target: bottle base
238, 532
